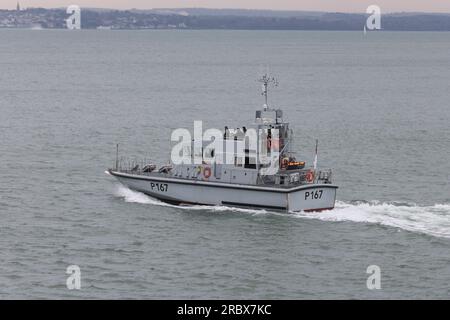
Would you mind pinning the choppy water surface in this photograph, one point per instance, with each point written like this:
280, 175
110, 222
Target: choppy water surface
377, 103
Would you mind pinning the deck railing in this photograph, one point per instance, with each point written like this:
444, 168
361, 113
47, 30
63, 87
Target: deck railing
131, 165
291, 177
308, 176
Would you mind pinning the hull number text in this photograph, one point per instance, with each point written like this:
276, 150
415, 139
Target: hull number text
313, 195
159, 186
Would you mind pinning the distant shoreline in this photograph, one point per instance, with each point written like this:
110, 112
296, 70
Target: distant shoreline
231, 11
225, 19
187, 30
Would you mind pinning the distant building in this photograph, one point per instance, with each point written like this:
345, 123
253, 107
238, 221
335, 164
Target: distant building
18, 6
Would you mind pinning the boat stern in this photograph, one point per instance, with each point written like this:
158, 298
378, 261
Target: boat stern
313, 198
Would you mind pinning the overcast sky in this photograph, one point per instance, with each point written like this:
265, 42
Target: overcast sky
314, 5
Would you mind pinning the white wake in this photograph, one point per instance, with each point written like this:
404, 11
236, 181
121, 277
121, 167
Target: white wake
138, 197
433, 220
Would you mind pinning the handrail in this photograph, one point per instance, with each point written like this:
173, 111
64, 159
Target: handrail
135, 166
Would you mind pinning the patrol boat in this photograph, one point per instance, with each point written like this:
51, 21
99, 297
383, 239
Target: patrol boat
252, 167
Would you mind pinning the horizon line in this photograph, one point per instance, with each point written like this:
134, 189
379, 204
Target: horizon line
241, 9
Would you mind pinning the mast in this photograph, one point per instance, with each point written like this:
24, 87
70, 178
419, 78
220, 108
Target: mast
266, 80
117, 157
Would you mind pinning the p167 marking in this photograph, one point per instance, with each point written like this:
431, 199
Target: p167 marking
159, 186
313, 195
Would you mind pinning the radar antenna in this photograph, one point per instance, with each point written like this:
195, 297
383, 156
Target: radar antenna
266, 80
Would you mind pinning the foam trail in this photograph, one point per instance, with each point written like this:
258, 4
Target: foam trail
138, 197
432, 220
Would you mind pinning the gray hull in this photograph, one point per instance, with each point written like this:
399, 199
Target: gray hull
312, 197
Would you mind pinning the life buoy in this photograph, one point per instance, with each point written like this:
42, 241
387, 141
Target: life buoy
310, 176
206, 172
